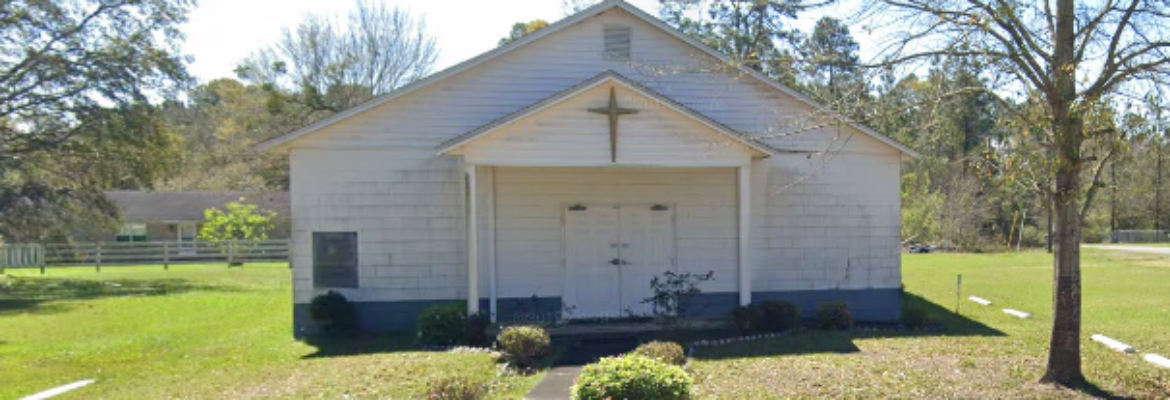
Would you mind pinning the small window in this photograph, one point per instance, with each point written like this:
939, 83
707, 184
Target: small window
617, 42
132, 233
335, 260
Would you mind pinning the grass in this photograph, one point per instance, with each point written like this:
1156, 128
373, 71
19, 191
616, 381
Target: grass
983, 353
213, 332
200, 332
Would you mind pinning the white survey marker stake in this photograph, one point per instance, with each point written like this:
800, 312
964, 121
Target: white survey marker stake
1158, 360
1113, 343
1017, 313
59, 390
980, 300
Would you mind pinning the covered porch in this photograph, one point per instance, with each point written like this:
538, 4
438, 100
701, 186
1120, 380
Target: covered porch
575, 203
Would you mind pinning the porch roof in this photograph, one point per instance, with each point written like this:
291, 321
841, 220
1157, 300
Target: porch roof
759, 149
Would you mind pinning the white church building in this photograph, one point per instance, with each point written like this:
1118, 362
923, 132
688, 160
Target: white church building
556, 175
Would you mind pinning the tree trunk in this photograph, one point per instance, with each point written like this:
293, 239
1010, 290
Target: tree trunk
1047, 207
1064, 349
1064, 352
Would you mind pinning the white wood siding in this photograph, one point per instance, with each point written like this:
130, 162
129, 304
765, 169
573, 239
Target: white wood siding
839, 228
568, 135
530, 204
529, 74
377, 174
407, 208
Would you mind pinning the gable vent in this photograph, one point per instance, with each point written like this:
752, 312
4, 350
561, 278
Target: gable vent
617, 42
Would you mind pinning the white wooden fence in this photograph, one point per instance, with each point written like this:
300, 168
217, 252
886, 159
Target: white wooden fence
21, 255
140, 253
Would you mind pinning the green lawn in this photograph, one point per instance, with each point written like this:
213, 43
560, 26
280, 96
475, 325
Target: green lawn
199, 332
983, 353
214, 332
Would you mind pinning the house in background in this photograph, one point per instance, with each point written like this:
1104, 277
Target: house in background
177, 216
563, 171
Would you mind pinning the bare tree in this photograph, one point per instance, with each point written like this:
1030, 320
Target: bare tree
334, 65
1069, 57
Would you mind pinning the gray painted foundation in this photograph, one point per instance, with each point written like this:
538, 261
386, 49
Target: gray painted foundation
870, 305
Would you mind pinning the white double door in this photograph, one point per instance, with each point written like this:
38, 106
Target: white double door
612, 252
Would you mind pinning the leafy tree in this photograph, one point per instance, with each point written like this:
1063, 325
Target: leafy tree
831, 55
750, 32
219, 123
521, 29
834, 76
330, 66
1071, 58
233, 230
76, 78
240, 222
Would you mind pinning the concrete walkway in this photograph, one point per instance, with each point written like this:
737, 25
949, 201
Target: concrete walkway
1165, 251
563, 375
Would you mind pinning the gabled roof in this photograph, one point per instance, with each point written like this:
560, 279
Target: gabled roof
550, 30
153, 207
601, 79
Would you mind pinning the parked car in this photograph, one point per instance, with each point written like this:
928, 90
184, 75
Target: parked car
919, 248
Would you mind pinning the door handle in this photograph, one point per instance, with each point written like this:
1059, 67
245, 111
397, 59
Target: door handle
616, 261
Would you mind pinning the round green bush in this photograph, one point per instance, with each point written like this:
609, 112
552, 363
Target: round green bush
666, 352
745, 319
779, 316
442, 324
914, 318
524, 344
475, 329
333, 313
834, 315
632, 377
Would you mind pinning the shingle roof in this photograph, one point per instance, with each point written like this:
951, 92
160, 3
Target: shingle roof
597, 9
139, 206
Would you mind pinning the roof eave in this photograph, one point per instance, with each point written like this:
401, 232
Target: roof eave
278, 142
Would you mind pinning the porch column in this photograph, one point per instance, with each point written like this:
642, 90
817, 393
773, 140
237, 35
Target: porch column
490, 186
745, 218
472, 241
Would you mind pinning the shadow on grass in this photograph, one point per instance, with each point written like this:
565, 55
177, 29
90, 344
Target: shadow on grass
951, 324
359, 344
1091, 389
39, 294
943, 322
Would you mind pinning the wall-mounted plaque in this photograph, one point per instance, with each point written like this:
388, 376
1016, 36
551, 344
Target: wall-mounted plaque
335, 260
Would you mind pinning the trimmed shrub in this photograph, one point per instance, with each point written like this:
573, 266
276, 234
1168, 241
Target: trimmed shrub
333, 313
664, 352
779, 316
524, 344
456, 388
745, 319
914, 318
475, 330
442, 324
834, 315
632, 377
